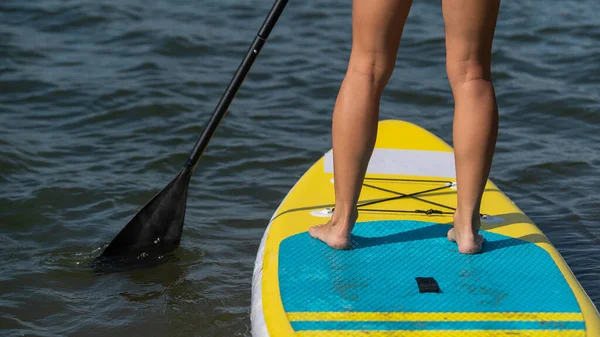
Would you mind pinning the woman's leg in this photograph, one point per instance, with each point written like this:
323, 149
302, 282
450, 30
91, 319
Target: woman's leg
376, 30
470, 26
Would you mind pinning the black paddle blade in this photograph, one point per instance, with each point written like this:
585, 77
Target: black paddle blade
156, 228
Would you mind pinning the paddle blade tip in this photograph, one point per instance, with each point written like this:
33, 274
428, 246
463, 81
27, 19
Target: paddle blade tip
156, 228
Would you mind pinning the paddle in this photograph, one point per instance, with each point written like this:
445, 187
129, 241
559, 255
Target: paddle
158, 226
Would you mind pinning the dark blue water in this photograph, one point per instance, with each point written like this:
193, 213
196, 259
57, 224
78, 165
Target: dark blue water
101, 101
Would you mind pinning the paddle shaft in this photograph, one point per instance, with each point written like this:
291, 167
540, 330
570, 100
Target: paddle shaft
235, 83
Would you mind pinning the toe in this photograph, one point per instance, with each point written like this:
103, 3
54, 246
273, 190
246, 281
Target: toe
314, 231
451, 236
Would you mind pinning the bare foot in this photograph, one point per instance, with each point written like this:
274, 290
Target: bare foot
335, 233
467, 238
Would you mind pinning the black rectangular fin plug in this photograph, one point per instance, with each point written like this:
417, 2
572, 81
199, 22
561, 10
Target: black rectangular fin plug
427, 285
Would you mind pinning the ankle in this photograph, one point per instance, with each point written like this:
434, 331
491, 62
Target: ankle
345, 214
468, 224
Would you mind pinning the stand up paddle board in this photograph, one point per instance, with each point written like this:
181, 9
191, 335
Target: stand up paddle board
402, 276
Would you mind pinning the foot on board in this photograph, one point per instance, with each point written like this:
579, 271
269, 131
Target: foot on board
467, 242
335, 235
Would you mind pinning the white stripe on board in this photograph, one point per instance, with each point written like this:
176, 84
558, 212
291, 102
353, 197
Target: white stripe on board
406, 162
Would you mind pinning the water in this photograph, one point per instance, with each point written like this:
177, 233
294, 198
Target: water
102, 100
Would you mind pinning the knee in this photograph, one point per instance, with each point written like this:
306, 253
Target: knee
466, 71
375, 68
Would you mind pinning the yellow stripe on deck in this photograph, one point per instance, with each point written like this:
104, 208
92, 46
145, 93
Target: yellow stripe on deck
445, 333
433, 316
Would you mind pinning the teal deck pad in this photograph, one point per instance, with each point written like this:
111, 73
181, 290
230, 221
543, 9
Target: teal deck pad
378, 273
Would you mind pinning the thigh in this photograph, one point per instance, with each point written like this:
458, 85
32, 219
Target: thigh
376, 30
469, 26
